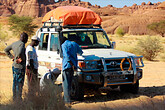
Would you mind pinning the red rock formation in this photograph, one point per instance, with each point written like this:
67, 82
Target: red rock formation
149, 3
28, 8
5, 11
132, 19
143, 3
38, 8
162, 6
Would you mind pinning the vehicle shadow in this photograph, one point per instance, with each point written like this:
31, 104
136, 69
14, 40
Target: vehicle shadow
116, 94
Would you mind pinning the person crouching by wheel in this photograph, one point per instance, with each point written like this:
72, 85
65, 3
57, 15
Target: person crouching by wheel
32, 66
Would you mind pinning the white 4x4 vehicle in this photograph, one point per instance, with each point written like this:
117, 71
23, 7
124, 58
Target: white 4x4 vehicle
99, 66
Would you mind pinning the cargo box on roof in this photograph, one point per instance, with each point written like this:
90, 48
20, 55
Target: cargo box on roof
73, 15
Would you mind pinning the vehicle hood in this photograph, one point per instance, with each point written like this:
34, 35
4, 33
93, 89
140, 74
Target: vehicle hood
96, 54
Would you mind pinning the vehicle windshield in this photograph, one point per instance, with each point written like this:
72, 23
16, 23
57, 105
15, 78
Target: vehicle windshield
88, 39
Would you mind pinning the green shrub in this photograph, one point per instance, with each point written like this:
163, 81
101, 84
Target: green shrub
3, 34
19, 24
158, 27
149, 47
119, 32
3, 38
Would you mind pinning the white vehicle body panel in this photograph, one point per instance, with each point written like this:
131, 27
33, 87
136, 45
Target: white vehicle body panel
94, 54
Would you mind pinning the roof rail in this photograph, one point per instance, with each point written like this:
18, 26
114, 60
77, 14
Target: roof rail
82, 26
59, 23
51, 24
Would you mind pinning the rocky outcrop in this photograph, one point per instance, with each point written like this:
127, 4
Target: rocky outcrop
5, 10
133, 19
38, 8
30, 8
162, 6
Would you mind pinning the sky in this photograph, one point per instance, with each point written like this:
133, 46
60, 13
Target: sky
120, 3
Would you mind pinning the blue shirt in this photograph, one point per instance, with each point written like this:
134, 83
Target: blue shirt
70, 51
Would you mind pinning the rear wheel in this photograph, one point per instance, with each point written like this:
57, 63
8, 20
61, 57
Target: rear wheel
77, 89
132, 88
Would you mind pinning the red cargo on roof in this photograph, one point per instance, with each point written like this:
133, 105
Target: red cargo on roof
73, 15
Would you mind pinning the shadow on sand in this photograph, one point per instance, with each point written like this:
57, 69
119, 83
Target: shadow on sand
111, 95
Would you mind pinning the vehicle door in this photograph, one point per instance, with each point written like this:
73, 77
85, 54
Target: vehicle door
47, 52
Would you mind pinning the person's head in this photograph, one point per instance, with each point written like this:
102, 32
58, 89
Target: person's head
63, 39
55, 73
24, 37
35, 40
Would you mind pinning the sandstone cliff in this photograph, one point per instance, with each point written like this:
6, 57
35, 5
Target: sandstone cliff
34, 8
133, 19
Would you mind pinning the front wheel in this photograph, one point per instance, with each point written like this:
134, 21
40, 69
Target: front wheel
77, 89
132, 88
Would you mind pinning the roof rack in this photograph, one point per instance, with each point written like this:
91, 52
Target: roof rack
52, 24
59, 23
82, 26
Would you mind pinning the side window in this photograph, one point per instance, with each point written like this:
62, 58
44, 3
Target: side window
43, 45
54, 42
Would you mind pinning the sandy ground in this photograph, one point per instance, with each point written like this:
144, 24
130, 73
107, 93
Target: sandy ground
151, 94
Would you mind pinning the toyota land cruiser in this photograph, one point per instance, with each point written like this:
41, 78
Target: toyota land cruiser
99, 66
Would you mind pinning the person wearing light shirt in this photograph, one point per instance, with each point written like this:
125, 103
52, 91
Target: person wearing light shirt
32, 66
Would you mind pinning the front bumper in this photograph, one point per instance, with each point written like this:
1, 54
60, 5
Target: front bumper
110, 78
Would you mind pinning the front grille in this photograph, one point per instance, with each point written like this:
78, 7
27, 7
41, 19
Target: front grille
100, 65
115, 64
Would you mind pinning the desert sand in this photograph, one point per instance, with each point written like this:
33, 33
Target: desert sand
151, 95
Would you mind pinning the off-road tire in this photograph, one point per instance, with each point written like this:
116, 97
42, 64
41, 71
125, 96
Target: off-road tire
77, 89
132, 88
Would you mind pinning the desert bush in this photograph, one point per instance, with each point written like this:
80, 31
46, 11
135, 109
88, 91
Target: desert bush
119, 32
3, 34
49, 99
3, 38
19, 24
158, 27
149, 47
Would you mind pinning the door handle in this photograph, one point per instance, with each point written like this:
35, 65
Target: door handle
57, 58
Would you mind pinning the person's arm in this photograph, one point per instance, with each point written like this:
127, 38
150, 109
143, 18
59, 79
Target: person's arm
79, 50
7, 51
30, 64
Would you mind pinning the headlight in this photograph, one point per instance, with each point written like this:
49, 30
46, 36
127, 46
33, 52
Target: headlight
137, 62
91, 64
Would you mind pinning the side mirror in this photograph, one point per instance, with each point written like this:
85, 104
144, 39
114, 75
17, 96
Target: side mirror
113, 45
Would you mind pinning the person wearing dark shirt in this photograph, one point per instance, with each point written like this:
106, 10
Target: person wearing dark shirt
69, 64
19, 64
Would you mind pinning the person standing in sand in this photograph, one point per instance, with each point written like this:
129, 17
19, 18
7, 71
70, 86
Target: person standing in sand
19, 64
69, 64
32, 66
